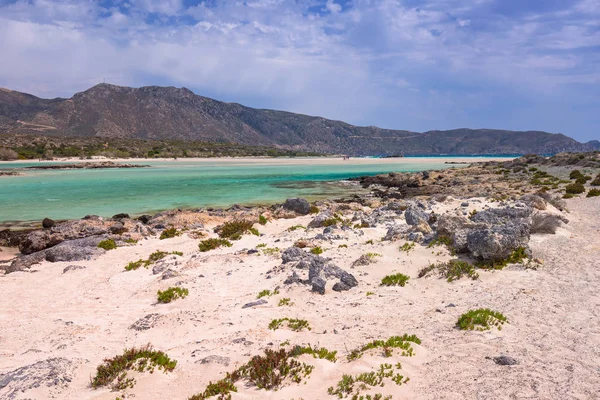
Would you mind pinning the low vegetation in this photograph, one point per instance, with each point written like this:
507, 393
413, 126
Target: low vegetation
481, 319
395, 280
451, 270
593, 193
234, 230
353, 386
113, 371
407, 247
292, 323
267, 293
515, 257
262, 220
154, 257
316, 250
286, 301
295, 228
575, 188
172, 294
169, 233
107, 244
403, 343
321, 353
213, 243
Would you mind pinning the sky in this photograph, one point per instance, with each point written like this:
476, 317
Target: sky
404, 64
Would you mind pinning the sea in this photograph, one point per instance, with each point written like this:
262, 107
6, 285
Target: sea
218, 183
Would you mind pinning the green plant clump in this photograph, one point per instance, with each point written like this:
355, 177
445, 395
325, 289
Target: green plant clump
107, 244
295, 228
316, 250
407, 247
235, 229
395, 280
267, 293
113, 371
574, 188
286, 301
481, 319
316, 352
213, 243
397, 342
292, 323
575, 174
171, 294
169, 233
593, 193
517, 256
262, 220
222, 388
354, 385
451, 270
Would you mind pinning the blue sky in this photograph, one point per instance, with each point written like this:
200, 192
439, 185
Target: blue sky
404, 64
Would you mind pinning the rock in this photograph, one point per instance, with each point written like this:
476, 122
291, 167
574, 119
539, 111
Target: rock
50, 372
423, 227
414, 216
24, 262
144, 219
300, 206
255, 303
340, 287
534, 201
505, 360
48, 223
394, 232
448, 224
168, 274
147, 322
416, 237
294, 278
464, 204
75, 250
495, 216
348, 279
72, 268
293, 254
39, 240
120, 216
117, 228
320, 219
318, 285
363, 260
214, 359
498, 242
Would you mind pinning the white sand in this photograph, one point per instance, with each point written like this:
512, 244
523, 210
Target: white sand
285, 161
553, 313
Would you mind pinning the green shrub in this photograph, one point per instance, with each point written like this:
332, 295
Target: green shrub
370, 294
407, 247
269, 251
262, 220
568, 196
314, 209
235, 229
395, 280
396, 342
292, 323
171, 294
575, 174
593, 193
107, 244
213, 243
355, 385
285, 302
267, 293
142, 359
517, 256
130, 240
222, 388
451, 270
316, 250
154, 257
480, 319
295, 227
596, 181
169, 233
321, 353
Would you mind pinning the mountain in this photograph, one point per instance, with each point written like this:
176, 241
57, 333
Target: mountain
157, 113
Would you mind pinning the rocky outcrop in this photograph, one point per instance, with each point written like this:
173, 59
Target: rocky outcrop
89, 165
52, 372
320, 270
299, 206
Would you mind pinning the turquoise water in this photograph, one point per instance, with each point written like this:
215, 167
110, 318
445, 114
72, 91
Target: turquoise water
66, 194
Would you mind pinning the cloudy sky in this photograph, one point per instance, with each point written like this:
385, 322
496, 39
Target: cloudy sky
405, 64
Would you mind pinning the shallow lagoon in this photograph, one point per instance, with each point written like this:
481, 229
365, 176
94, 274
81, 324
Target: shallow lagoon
66, 194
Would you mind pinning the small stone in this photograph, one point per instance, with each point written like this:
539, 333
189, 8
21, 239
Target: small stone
255, 303
48, 223
505, 360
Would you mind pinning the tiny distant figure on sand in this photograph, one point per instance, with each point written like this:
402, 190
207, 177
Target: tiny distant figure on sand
346, 157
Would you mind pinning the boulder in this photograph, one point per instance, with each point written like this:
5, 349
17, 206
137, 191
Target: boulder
75, 250
120, 216
320, 219
318, 285
300, 206
39, 240
255, 303
495, 216
48, 223
415, 216
54, 373
293, 254
499, 241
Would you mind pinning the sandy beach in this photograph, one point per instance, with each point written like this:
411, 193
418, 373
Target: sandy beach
67, 317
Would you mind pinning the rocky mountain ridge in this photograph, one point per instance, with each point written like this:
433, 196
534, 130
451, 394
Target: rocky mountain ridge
158, 113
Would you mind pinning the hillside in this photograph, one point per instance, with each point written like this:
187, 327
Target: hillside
168, 113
